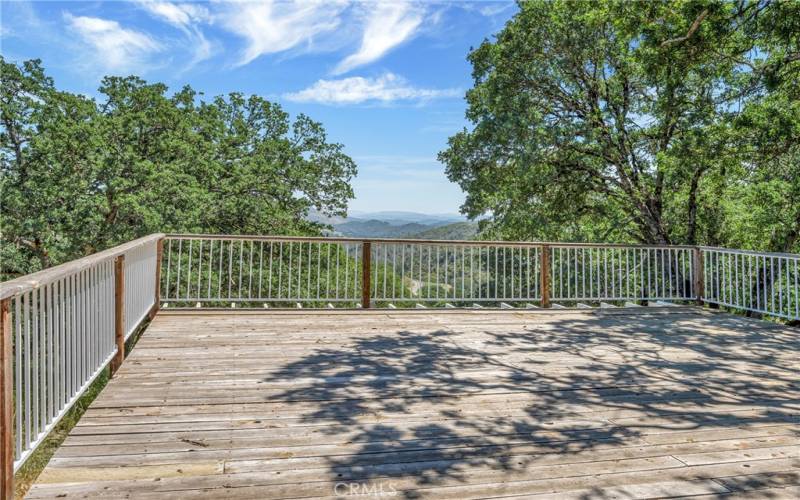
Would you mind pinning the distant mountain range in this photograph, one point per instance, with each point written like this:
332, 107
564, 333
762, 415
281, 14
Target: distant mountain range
400, 225
397, 217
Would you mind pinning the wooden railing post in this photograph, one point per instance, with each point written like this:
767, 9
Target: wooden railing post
119, 313
545, 275
157, 299
366, 271
699, 276
7, 408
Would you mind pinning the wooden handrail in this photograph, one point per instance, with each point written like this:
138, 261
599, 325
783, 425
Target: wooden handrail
752, 252
337, 239
32, 281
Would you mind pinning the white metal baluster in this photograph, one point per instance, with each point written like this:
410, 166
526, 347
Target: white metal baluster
29, 358
328, 271
210, 266
780, 286
445, 274
260, 267
70, 337
250, 271
357, 249
241, 268
219, 271
50, 353
189, 272
36, 362
19, 360
289, 269
319, 267
178, 274
604, 269
338, 253
385, 249
199, 270
375, 258
310, 268
165, 292
796, 292
402, 271
429, 269
574, 282
411, 270
619, 255
772, 284
230, 269
590, 251
269, 274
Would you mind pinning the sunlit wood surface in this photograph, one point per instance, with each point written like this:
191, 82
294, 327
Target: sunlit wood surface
626, 403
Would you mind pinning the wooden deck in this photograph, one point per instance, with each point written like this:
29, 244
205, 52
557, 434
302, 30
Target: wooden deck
643, 403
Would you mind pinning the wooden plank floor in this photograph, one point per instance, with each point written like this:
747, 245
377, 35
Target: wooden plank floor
644, 403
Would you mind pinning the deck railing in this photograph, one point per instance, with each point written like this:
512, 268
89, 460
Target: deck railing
321, 271
765, 283
61, 327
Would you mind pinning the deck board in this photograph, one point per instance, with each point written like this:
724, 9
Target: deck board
611, 403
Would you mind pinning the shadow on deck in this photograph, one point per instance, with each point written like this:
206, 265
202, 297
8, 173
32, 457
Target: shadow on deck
642, 403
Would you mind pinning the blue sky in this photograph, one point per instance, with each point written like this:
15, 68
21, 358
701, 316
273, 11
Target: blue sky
387, 79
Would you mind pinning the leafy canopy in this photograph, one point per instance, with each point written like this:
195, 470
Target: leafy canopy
80, 175
655, 122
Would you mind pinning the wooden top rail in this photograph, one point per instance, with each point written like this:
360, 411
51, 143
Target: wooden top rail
337, 239
752, 252
49, 275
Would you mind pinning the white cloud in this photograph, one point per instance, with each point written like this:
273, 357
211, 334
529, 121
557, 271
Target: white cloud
276, 26
185, 17
354, 90
387, 25
181, 15
116, 48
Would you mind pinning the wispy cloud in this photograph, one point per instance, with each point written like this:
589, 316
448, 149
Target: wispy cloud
115, 48
180, 15
387, 25
277, 26
185, 17
354, 90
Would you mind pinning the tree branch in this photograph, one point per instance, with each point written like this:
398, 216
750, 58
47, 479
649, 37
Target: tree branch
688, 35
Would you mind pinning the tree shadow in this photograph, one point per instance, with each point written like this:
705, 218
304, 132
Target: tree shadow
517, 403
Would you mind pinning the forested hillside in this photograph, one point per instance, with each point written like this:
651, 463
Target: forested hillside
651, 122
377, 228
454, 231
82, 174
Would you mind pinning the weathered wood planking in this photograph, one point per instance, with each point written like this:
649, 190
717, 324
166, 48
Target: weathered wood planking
459, 404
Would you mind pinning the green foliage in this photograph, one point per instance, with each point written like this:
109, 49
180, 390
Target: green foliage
454, 231
80, 175
656, 122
